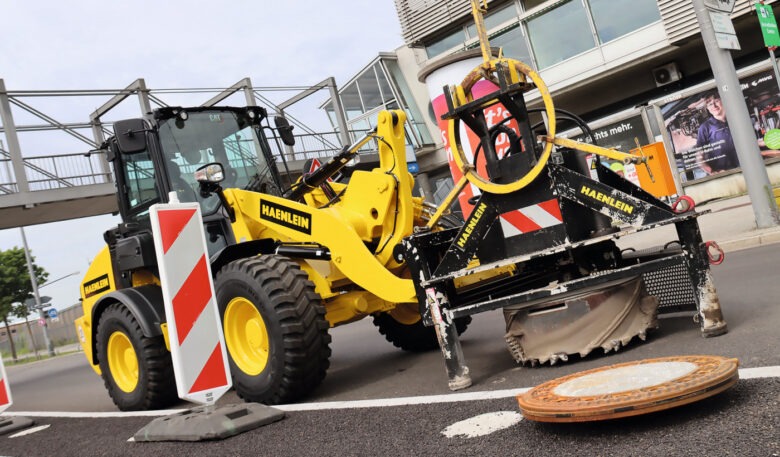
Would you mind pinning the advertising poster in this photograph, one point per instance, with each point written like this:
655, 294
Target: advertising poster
623, 136
700, 134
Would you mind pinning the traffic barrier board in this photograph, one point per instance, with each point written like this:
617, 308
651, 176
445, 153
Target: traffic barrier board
5, 389
194, 327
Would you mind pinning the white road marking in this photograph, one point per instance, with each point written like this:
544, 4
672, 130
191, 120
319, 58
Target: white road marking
482, 425
744, 373
30, 431
97, 415
759, 372
404, 401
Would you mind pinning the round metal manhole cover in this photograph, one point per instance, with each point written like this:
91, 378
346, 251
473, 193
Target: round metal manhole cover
629, 389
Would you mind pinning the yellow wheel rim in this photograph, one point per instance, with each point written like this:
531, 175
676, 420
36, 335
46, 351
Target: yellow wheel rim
246, 336
406, 313
454, 134
122, 361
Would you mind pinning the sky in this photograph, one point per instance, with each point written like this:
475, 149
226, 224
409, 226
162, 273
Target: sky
98, 44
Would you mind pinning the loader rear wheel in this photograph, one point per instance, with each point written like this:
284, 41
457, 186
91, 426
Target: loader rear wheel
404, 328
136, 369
275, 329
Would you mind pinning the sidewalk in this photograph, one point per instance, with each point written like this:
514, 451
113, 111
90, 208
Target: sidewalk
731, 223
43, 353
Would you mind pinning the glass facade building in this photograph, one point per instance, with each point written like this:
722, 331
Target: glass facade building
544, 33
379, 86
600, 59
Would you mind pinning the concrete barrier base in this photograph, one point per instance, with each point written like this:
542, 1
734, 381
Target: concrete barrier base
209, 423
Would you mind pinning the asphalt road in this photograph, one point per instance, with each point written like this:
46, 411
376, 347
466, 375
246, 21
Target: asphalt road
744, 420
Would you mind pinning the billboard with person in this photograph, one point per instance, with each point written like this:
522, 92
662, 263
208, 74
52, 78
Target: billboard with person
699, 131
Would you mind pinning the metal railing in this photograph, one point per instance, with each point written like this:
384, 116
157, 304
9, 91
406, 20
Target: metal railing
66, 170
61, 171
309, 146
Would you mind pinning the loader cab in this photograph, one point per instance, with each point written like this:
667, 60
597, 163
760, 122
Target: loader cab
153, 157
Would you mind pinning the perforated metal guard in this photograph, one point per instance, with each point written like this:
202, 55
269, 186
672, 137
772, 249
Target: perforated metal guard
672, 286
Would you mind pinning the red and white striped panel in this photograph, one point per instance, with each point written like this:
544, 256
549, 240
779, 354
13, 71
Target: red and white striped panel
531, 218
194, 327
5, 389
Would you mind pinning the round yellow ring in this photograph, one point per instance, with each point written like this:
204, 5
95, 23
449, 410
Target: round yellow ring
470, 172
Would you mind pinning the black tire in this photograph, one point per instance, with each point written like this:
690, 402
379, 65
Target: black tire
413, 337
156, 386
293, 319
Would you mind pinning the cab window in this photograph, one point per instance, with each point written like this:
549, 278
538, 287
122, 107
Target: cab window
139, 183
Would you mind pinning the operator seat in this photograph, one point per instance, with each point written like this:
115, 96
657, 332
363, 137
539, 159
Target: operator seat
183, 189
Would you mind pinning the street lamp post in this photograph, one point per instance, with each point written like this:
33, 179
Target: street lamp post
36, 295
34, 283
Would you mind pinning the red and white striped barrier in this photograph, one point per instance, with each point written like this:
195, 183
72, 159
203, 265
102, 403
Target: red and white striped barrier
194, 327
5, 389
534, 217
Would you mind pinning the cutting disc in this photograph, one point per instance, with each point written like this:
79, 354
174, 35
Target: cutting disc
629, 389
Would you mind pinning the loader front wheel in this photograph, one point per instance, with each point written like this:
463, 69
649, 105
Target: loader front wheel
275, 329
404, 328
136, 369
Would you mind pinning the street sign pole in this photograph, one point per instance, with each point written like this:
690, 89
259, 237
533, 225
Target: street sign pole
750, 160
774, 65
768, 24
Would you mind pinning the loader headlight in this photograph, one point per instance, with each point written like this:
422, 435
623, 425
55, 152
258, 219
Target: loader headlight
212, 172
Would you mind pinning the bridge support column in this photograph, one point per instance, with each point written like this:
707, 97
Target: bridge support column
12, 140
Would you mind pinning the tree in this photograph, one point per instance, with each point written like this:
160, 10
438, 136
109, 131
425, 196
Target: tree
22, 311
15, 285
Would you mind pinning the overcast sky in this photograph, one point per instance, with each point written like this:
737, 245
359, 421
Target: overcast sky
98, 44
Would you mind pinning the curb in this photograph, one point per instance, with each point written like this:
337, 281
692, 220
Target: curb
770, 237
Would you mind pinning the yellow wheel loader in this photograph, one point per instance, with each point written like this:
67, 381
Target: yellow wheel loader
293, 259
290, 260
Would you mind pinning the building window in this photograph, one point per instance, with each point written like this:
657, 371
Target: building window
530, 4
560, 33
443, 45
350, 99
369, 90
493, 19
457, 39
513, 44
615, 18
387, 92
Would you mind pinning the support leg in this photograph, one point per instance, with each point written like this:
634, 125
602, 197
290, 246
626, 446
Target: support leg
449, 342
707, 302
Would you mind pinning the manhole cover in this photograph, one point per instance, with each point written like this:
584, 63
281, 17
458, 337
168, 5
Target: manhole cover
629, 389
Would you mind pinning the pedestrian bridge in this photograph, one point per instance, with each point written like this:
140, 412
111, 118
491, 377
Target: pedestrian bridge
36, 189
